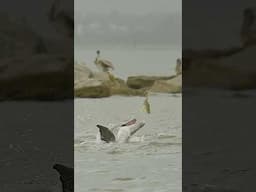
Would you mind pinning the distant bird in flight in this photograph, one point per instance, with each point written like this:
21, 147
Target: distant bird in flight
102, 64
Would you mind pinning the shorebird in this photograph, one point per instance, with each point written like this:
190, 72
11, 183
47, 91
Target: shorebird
178, 68
102, 64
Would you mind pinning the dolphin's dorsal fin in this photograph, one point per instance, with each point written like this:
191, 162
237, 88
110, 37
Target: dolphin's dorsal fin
105, 134
66, 176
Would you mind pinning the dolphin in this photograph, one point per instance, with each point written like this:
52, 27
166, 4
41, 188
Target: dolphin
66, 177
120, 133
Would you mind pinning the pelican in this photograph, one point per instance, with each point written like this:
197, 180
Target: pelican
120, 133
102, 64
178, 68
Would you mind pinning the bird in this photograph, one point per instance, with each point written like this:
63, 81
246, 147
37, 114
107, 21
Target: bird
66, 177
178, 68
102, 64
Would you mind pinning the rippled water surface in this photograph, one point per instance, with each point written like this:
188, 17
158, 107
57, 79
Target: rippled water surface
151, 163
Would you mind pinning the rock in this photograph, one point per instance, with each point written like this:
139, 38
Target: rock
173, 85
17, 39
26, 71
248, 29
91, 88
82, 72
61, 18
119, 87
89, 84
237, 71
102, 76
138, 82
57, 45
232, 68
193, 55
36, 77
61, 15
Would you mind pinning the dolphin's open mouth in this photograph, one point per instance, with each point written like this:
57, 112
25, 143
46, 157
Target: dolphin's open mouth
131, 122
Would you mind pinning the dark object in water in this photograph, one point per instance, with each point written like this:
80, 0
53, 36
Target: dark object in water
105, 134
66, 177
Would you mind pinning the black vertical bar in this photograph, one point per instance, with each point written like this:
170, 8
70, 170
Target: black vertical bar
218, 95
36, 92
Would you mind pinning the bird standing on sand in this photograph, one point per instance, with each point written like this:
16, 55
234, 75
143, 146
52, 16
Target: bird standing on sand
102, 64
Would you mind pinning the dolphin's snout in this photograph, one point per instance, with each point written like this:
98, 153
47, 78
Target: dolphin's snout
142, 124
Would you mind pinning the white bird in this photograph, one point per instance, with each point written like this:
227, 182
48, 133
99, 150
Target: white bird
120, 133
102, 64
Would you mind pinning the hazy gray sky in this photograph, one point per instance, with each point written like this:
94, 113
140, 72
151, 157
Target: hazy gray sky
133, 22
128, 6
213, 24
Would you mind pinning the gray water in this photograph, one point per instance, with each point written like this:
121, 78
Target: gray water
149, 165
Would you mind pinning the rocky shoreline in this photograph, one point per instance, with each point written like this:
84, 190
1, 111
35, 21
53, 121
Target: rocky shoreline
40, 68
35, 67
90, 84
232, 68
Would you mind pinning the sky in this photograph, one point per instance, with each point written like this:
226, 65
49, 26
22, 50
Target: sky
212, 24
128, 6
35, 13
199, 20
126, 23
